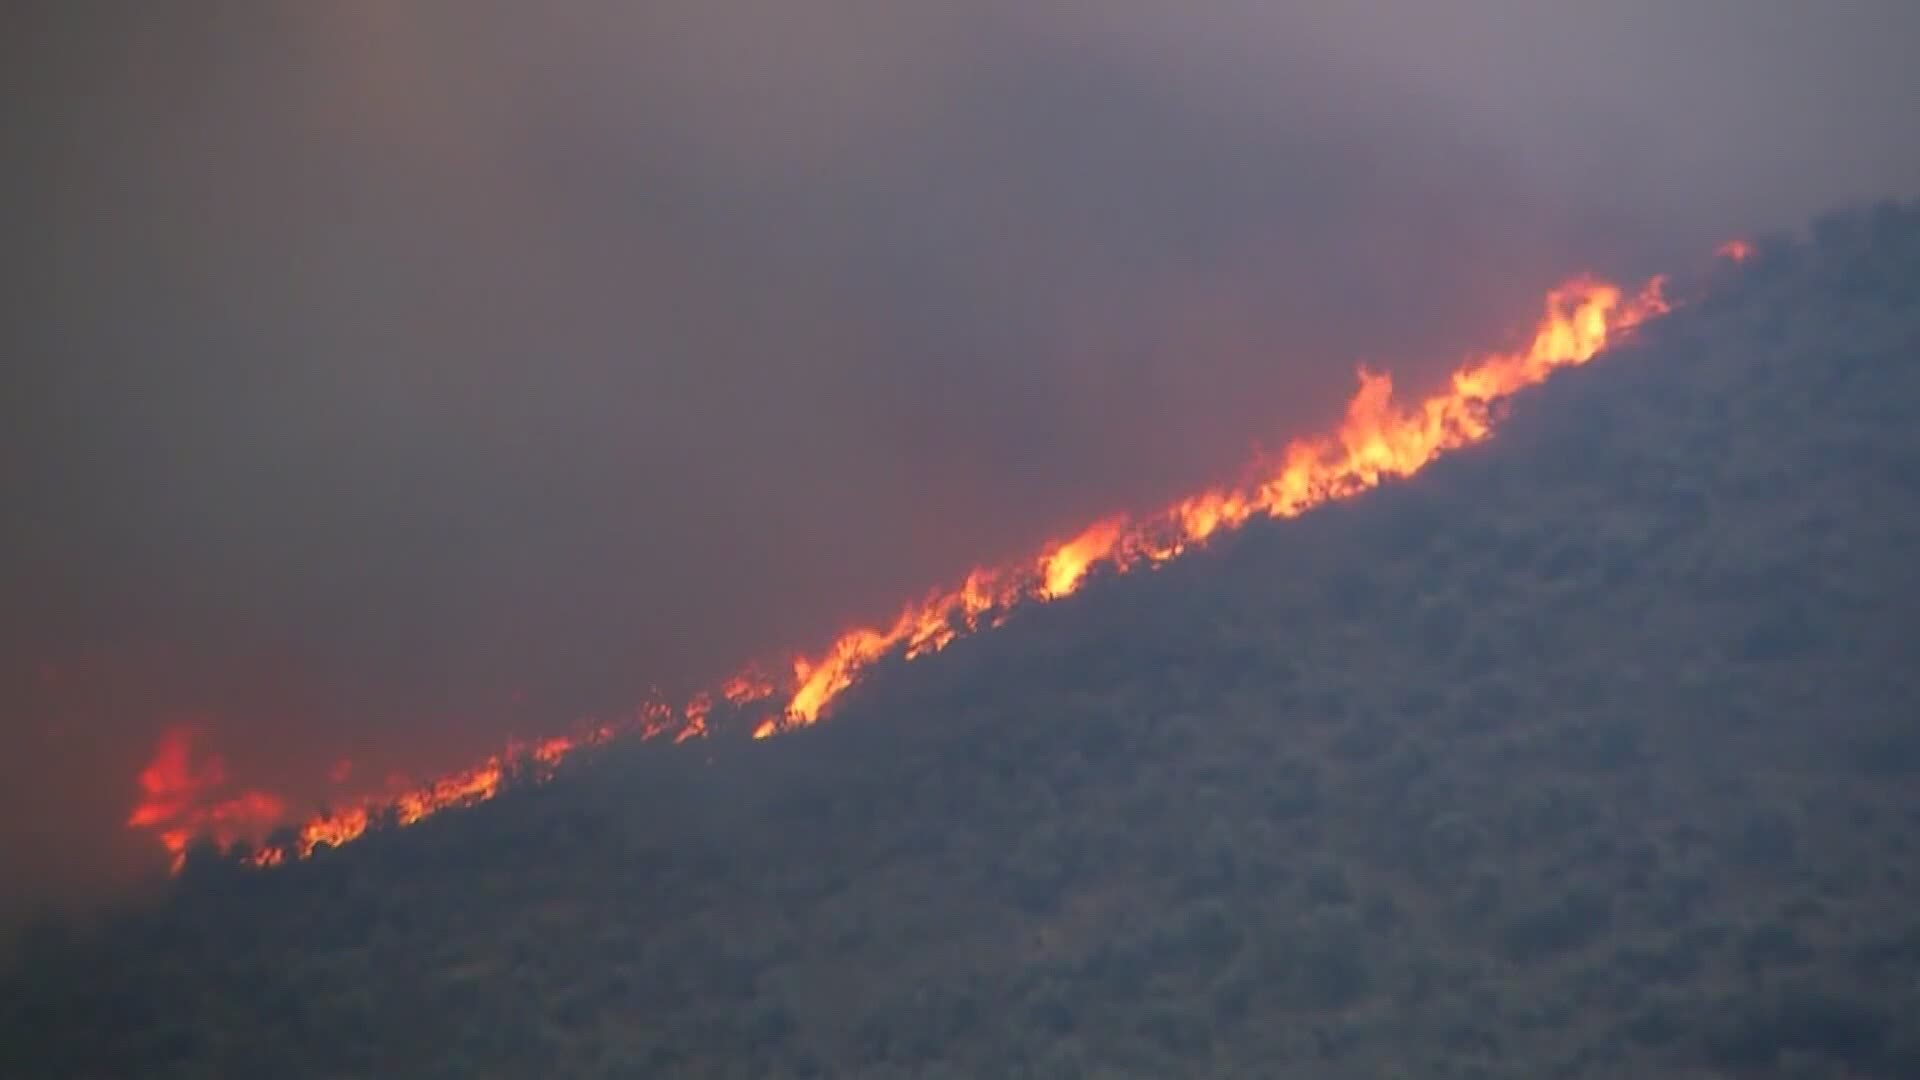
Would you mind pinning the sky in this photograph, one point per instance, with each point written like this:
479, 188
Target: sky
381, 380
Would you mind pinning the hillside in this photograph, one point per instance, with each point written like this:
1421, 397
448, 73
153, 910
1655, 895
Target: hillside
1594, 751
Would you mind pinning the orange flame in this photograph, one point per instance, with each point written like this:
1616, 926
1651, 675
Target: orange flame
175, 793
768, 726
696, 714
1736, 250
1378, 439
748, 686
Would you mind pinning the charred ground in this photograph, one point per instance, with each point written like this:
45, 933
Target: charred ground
1592, 751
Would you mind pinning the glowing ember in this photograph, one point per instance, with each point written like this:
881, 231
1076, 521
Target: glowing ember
1736, 250
1378, 439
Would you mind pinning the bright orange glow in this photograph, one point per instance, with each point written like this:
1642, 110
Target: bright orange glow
1062, 569
181, 801
1378, 438
747, 686
1736, 250
697, 712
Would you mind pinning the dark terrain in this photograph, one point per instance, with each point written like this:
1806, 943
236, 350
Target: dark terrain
1590, 752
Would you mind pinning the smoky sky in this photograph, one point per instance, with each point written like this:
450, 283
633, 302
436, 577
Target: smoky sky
381, 379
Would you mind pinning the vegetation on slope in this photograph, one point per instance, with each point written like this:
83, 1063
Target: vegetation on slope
1592, 751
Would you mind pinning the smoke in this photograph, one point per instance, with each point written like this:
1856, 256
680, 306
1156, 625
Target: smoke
383, 379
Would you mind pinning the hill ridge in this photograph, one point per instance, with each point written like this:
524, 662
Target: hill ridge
1589, 751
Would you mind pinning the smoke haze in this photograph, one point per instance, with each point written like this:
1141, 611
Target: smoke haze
385, 379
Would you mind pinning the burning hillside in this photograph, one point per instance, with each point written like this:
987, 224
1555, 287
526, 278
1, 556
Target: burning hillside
1379, 438
1587, 751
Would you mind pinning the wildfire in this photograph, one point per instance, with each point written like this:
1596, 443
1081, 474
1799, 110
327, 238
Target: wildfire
1378, 439
1735, 250
537, 760
749, 685
175, 796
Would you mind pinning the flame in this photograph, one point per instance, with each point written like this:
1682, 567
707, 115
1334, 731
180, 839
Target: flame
655, 718
175, 796
748, 686
1736, 250
696, 715
1378, 439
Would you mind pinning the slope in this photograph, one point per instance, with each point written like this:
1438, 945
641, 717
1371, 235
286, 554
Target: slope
1589, 751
